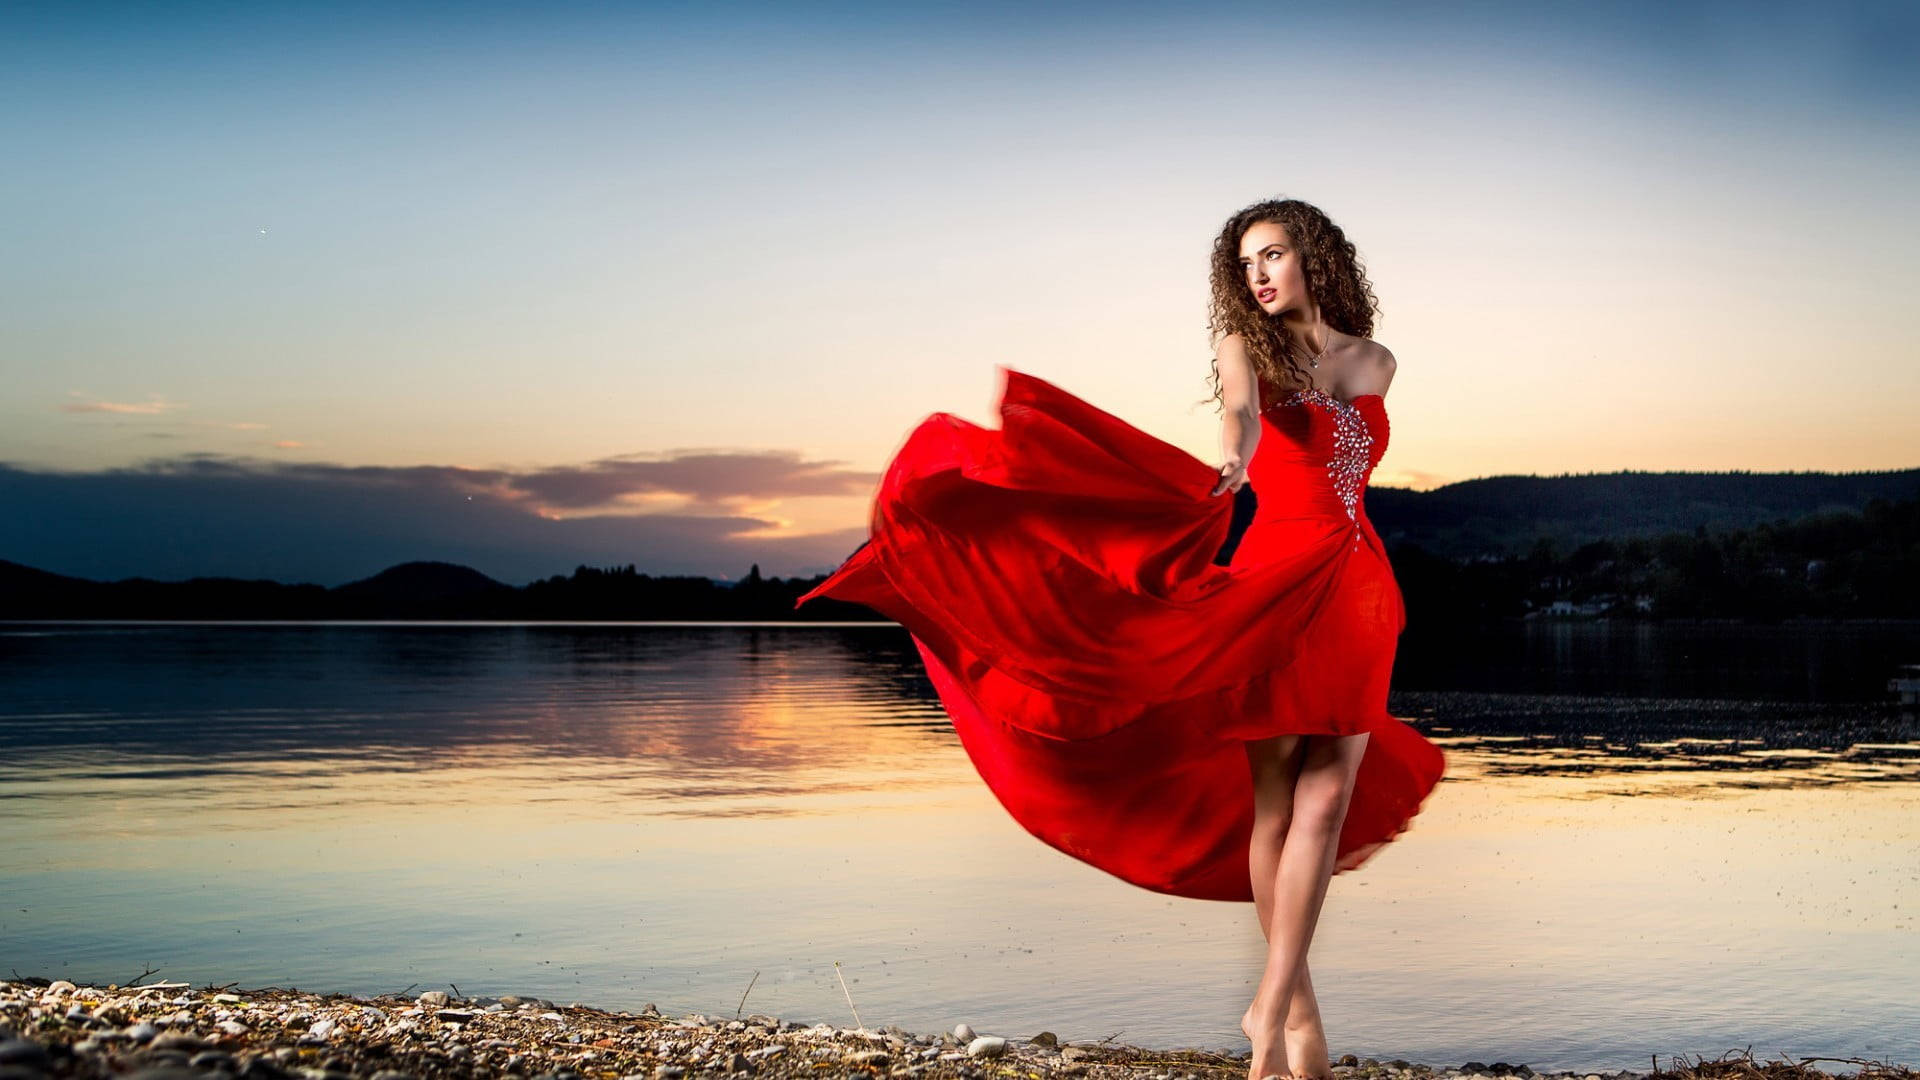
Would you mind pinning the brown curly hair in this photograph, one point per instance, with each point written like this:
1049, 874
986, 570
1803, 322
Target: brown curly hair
1334, 276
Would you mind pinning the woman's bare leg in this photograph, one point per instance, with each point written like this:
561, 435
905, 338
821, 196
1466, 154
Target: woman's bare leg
1318, 809
1275, 764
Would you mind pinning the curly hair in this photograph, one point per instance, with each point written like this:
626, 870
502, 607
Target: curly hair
1334, 277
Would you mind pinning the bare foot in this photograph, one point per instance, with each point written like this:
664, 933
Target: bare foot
1269, 1048
1308, 1046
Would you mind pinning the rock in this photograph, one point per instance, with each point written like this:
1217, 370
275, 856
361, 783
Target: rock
212, 1059
453, 1016
263, 1068
25, 1053
987, 1046
433, 998
1045, 1038
669, 1072
962, 1033
1074, 1053
875, 1058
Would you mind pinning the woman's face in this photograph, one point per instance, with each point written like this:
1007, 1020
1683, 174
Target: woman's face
1272, 268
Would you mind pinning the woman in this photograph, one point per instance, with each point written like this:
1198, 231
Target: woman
1203, 730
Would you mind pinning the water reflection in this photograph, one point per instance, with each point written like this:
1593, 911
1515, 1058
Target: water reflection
625, 814
1742, 743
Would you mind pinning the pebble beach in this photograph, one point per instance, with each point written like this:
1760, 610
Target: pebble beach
165, 1030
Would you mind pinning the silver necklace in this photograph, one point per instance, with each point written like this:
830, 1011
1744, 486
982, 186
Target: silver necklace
1314, 360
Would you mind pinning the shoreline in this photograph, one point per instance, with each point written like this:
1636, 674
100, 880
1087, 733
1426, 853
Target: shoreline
167, 1030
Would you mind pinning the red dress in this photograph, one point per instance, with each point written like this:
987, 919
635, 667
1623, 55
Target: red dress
1100, 669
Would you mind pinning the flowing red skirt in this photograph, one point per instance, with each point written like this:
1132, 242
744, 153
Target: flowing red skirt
1101, 670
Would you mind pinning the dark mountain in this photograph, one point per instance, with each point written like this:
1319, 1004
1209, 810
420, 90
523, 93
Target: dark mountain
426, 590
1501, 516
1736, 545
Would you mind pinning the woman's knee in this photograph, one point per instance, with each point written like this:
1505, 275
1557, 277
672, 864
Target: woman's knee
1325, 785
1319, 808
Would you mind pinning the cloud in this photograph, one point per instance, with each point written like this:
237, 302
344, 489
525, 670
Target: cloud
703, 477
213, 514
136, 408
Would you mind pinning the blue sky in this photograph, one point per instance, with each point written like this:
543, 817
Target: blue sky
301, 291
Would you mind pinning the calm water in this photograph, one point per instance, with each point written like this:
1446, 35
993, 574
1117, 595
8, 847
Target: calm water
1652, 840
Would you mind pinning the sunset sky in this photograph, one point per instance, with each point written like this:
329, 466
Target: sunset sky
302, 291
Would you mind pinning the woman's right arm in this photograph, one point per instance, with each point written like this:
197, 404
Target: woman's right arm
1240, 418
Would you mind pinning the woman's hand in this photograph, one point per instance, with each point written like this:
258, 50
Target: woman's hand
1233, 475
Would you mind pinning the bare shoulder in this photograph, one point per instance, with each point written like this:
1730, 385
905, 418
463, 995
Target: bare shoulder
1238, 388
1372, 370
1232, 353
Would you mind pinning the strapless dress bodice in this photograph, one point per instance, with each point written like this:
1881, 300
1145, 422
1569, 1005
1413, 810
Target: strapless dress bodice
1316, 454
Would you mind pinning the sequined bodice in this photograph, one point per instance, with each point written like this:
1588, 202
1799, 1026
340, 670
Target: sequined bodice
1350, 460
1314, 432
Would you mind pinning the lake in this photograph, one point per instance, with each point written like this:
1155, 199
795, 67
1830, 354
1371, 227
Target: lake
1652, 839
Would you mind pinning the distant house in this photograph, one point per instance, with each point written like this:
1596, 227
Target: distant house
1597, 605
1905, 684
